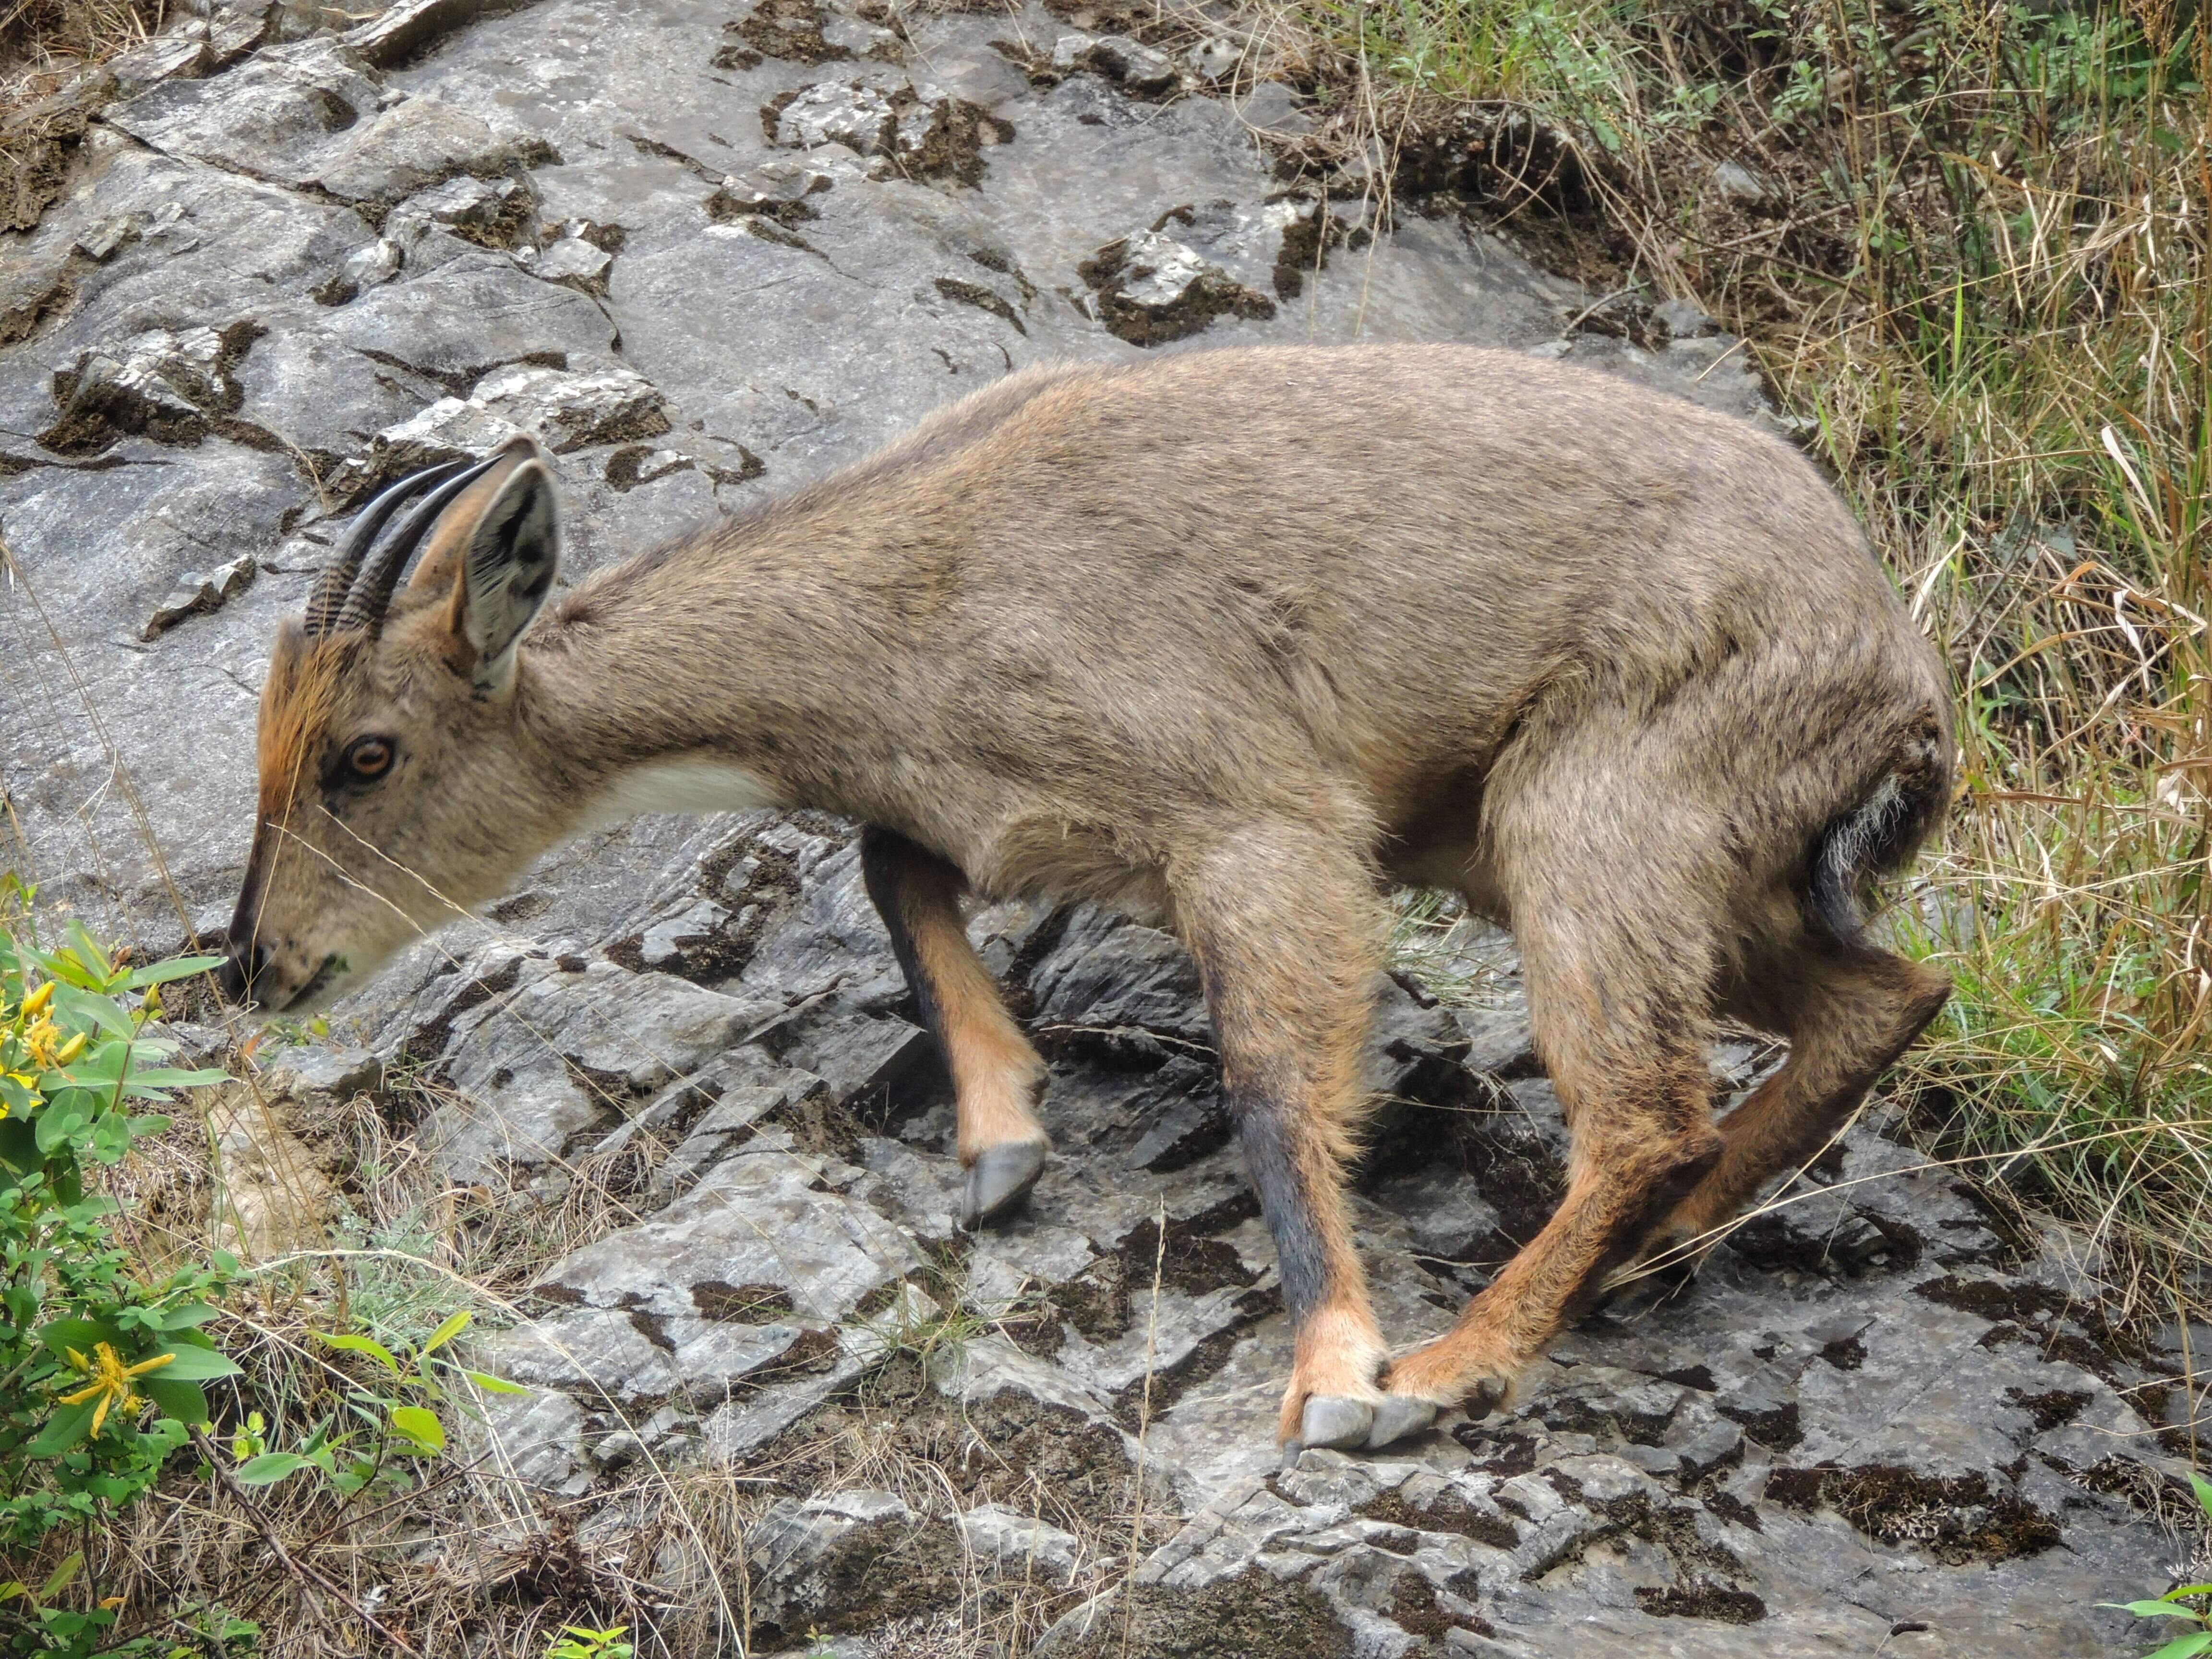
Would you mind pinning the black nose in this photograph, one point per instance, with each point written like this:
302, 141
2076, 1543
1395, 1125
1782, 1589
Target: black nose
235, 979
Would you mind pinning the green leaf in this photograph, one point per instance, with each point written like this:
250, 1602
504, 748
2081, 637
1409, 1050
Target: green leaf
87, 949
64, 1430
169, 1077
174, 1397
2203, 1491
492, 1384
62, 1576
2186, 1647
79, 1334
351, 1478
454, 1326
20, 1102
111, 1138
368, 1345
269, 1467
161, 973
2150, 1609
83, 1011
2176, 1594
190, 1314
194, 1364
420, 1425
62, 1121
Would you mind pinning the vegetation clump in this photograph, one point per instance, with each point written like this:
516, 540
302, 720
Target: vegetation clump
100, 1368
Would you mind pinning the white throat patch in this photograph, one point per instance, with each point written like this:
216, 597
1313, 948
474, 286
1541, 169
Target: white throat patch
682, 783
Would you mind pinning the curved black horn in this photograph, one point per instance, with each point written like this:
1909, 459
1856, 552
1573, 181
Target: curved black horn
344, 563
372, 595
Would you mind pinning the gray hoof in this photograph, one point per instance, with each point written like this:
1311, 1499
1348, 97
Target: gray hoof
1398, 1417
1487, 1395
998, 1179
1332, 1420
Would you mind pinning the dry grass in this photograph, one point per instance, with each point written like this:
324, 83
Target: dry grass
45, 47
1966, 243
47, 40
469, 1556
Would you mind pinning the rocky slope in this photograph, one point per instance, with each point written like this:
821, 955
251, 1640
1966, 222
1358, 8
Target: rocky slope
708, 254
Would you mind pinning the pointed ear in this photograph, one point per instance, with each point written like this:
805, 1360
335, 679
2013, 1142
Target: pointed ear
508, 561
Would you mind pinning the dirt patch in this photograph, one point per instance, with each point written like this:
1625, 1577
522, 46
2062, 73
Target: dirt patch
626, 471
1413, 1607
1449, 1513
1111, 272
1703, 1600
2021, 1303
1501, 1455
1170, 1383
1191, 1258
2054, 1410
759, 902
884, 1570
1518, 1174
1573, 1415
1253, 1613
38, 301
786, 29
1140, 20
403, 1095
953, 145
741, 1304
983, 299
1862, 1244
1845, 1354
1006, 1449
1957, 1519
102, 401
1777, 1428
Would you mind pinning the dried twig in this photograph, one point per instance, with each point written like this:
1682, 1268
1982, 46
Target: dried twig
311, 1579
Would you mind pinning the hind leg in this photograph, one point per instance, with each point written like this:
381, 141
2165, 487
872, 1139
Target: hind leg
1849, 1012
996, 1075
1283, 924
1620, 950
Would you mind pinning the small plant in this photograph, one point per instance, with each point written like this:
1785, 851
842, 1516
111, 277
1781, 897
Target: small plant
2168, 1606
396, 1418
215, 1633
100, 1373
581, 1642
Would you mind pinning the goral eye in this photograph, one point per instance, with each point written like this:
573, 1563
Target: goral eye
370, 757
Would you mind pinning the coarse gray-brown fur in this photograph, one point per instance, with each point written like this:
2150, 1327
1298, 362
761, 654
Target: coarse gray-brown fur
1232, 640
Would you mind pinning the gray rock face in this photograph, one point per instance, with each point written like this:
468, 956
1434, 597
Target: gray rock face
273, 269
1875, 1409
703, 263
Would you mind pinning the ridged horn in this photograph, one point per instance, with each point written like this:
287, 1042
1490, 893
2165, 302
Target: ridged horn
372, 595
329, 598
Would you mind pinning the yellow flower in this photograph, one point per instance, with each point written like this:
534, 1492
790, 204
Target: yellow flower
35, 1003
111, 1380
42, 1045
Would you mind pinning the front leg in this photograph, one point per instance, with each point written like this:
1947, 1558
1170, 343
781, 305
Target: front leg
1283, 925
996, 1074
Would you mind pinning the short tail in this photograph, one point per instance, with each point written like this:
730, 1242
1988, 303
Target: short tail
1879, 836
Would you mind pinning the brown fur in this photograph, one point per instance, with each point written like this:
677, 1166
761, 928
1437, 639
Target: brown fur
996, 1075
1233, 639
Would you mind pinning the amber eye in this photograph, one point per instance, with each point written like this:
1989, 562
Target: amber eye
370, 757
